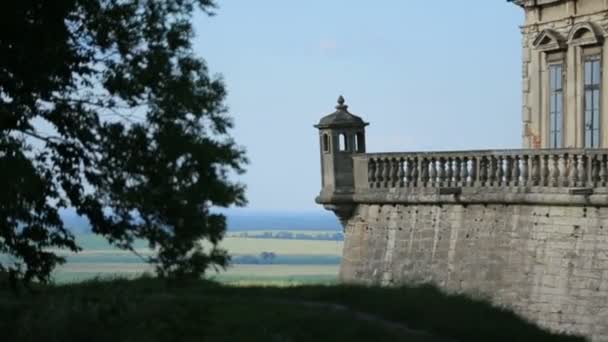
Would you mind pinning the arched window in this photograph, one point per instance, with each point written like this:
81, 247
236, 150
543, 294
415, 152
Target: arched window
343, 143
325, 143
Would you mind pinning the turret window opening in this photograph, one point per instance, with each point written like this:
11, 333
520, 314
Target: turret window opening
326, 143
343, 142
359, 142
591, 101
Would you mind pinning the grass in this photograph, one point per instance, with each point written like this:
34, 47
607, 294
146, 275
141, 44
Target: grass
258, 274
152, 310
277, 280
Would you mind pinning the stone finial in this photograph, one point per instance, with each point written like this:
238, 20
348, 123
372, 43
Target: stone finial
341, 105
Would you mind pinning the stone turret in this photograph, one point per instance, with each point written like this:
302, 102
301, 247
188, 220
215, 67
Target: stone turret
341, 135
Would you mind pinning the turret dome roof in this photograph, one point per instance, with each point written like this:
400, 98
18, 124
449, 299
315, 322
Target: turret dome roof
341, 118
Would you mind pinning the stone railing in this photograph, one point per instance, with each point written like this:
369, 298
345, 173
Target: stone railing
576, 169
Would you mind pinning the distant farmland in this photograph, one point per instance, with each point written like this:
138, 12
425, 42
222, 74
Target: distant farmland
257, 260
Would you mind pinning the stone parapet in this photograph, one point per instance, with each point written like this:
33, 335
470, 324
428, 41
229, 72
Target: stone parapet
491, 169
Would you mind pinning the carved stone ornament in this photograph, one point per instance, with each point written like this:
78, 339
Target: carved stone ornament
549, 40
586, 33
343, 211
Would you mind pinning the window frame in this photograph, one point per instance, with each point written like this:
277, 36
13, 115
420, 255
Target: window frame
595, 55
552, 60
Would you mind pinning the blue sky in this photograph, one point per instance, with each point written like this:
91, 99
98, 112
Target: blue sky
427, 75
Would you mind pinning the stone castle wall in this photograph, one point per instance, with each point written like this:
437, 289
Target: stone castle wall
548, 263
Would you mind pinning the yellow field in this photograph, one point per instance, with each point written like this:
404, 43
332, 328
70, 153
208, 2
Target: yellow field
105, 268
237, 245
256, 246
282, 270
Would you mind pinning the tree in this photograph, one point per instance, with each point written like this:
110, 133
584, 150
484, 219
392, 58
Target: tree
105, 108
267, 257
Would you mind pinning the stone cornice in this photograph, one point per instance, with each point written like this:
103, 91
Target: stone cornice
536, 3
465, 196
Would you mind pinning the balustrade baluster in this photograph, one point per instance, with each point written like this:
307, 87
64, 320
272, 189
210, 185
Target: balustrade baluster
554, 170
536, 162
508, 161
572, 171
441, 173
524, 170
401, 172
394, 172
457, 166
449, 172
483, 171
433, 172
492, 164
415, 172
473, 173
603, 170
371, 172
379, 172
424, 171
516, 171
464, 171
595, 171
544, 169
386, 172
582, 170
561, 166
499, 170
409, 171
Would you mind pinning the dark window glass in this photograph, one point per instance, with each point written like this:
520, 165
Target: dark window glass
592, 101
556, 108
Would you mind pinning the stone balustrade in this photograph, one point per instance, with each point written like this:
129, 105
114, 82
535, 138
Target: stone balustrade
561, 168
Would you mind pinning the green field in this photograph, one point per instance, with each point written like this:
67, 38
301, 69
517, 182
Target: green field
274, 231
296, 262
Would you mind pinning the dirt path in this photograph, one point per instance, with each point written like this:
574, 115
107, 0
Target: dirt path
400, 328
389, 325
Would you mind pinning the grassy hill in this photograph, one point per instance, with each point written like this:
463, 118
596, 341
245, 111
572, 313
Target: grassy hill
150, 310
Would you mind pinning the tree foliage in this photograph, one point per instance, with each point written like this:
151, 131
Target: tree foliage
105, 108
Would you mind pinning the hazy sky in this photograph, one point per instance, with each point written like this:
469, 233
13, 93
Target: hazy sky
427, 75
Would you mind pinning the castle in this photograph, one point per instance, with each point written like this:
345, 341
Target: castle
527, 228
